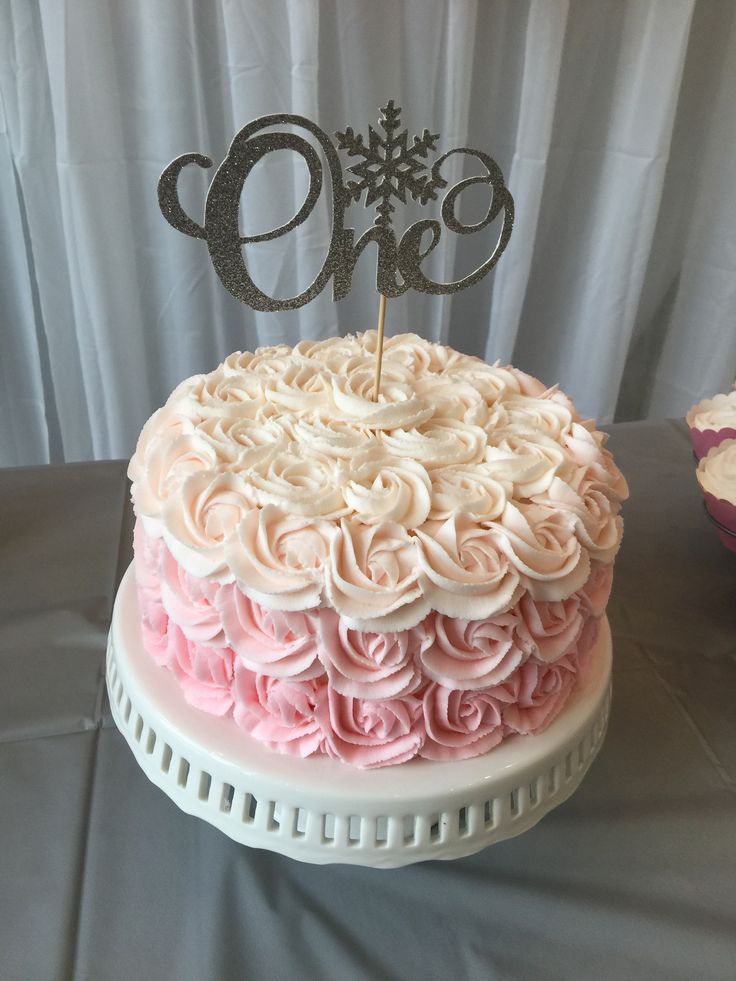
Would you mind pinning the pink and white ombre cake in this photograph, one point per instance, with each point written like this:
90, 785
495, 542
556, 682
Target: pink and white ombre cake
420, 576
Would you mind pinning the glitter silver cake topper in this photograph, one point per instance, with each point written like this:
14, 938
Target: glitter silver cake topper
389, 169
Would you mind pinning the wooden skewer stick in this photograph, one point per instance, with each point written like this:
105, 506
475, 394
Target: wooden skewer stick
379, 345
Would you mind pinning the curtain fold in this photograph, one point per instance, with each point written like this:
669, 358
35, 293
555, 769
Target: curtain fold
613, 122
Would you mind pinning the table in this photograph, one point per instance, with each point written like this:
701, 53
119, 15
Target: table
101, 877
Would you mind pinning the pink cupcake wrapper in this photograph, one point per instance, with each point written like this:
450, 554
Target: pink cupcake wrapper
723, 515
704, 440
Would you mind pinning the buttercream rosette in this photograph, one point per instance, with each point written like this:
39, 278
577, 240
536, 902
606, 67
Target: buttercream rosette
711, 421
716, 475
419, 576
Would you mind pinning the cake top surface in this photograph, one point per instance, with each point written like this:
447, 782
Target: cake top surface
463, 486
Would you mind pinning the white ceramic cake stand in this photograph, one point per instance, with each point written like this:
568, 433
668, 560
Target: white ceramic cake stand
320, 810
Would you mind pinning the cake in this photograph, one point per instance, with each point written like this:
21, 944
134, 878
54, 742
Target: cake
418, 576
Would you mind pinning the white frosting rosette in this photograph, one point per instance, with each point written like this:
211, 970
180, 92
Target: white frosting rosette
455, 400
388, 489
166, 465
171, 420
299, 483
199, 519
319, 432
541, 544
463, 571
228, 394
467, 488
372, 576
546, 416
398, 406
438, 443
279, 560
529, 460
298, 386
241, 442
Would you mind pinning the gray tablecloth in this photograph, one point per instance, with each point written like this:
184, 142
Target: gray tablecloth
102, 877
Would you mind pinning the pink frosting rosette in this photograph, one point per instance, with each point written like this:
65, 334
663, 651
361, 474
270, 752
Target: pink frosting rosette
463, 572
204, 673
460, 724
364, 664
597, 590
149, 553
278, 560
274, 642
585, 644
553, 628
189, 603
154, 620
372, 577
370, 732
473, 654
154, 626
278, 712
541, 694
542, 546
597, 524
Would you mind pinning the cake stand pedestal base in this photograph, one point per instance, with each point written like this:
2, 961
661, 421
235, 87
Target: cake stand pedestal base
320, 810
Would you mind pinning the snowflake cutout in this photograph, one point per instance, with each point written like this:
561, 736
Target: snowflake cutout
389, 167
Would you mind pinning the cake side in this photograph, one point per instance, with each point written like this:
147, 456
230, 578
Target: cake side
421, 575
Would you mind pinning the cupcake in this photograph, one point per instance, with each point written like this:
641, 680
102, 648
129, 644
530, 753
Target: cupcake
711, 421
717, 476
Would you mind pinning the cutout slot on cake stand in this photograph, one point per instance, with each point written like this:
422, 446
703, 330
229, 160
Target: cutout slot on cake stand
320, 810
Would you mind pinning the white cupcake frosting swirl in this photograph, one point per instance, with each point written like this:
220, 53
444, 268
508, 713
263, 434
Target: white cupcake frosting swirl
716, 413
717, 471
462, 487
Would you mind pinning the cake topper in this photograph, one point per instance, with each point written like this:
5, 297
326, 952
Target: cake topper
390, 167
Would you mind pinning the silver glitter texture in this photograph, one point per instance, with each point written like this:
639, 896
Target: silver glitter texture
390, 167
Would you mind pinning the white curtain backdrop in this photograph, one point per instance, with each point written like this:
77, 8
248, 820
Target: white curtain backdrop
614, 123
